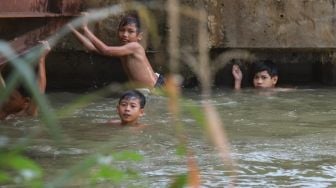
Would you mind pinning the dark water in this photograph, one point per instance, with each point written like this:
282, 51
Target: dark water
283, 139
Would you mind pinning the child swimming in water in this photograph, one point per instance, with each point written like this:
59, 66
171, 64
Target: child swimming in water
265, 75
130, 108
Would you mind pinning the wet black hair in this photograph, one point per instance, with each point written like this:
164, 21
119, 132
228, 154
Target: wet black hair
266, 65
131, 18
134, 94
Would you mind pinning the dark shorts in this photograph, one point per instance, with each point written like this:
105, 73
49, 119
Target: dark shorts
160, 81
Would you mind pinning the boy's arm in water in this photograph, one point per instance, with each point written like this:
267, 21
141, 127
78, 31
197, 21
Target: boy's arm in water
237, 75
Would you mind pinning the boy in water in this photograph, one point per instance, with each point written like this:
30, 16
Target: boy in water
18, 103
130, 108
265, 75
132, 54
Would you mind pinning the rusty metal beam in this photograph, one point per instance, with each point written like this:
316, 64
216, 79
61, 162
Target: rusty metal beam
24, 6
34, 15
64, 6
54, 6
58, 13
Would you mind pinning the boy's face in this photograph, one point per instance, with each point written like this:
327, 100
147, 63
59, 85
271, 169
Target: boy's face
263, 80
129, 110
128, 33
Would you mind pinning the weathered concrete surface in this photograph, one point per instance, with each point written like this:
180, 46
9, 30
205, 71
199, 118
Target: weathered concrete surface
79, 70
298, 35
272, 23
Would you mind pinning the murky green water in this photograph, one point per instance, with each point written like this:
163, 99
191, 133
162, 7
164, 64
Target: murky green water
286, 139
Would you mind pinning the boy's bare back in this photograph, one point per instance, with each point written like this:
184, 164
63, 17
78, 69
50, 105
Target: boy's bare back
137, 67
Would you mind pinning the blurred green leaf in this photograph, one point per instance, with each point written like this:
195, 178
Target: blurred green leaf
108, 173
20, 162
179, 182
127, 156
181, 149
4, 177
20, 170
80, 168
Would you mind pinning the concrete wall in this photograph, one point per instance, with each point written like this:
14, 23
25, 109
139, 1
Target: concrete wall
273, 23
298, 35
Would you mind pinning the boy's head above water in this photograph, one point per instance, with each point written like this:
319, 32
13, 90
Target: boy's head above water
265, 74
131, 106
129, 29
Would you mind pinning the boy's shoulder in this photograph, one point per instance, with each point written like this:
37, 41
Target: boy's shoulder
134, 45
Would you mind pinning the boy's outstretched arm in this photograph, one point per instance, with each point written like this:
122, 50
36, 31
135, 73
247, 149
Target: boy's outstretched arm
85, 41
104, 49
238, 76
41, 77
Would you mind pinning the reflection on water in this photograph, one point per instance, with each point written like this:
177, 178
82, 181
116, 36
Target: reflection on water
278, 140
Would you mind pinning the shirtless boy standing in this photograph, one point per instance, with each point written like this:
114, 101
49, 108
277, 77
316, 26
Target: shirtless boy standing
132, 54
